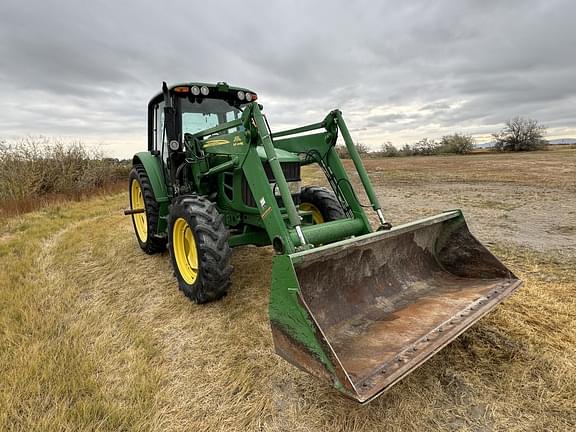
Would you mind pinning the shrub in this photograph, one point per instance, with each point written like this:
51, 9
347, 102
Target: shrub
388, 150
456, 143
38, 166
425, 147
342, 151
407, 150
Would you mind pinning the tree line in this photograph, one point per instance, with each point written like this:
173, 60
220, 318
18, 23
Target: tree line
518, 134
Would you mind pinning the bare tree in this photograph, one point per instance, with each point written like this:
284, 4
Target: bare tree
362, 149
520, 134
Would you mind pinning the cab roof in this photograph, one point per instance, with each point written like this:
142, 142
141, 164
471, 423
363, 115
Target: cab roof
217, 89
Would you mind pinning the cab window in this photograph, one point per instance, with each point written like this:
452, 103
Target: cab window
159, 137
198, 115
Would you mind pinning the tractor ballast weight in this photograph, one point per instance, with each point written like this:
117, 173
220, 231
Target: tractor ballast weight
358, 308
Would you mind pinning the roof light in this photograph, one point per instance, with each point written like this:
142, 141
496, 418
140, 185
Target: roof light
250, 97
241, 95
204, 90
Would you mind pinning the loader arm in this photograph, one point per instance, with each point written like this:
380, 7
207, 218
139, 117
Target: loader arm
316, 148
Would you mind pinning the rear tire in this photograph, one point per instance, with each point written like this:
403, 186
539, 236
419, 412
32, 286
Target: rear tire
199, 249
323, 204
145, 224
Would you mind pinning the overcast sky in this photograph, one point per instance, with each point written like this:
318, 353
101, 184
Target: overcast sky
399, 71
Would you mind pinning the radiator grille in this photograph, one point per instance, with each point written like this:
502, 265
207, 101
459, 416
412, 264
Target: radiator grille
291, 171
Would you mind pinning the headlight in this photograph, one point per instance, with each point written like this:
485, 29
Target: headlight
195, 90
251, 97
204, 90
241, 95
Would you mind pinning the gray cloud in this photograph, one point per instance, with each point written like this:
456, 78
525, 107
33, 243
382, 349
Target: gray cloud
398, 70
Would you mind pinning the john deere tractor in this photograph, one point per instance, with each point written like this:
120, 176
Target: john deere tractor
356, 306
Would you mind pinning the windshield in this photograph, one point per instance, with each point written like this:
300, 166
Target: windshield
206, 113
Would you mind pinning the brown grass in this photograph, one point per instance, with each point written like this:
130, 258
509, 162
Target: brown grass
18, 206
555, 168
94, 335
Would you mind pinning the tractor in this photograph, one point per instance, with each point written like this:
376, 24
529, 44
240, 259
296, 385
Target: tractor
357, 306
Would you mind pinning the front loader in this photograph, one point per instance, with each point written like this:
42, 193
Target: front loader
357, 307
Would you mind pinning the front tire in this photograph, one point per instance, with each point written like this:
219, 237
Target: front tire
198, 244
142, 196
323, 204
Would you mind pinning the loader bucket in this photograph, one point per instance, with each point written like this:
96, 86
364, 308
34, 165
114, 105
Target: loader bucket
364, 312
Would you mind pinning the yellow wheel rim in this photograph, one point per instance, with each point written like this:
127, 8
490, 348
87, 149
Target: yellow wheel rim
316, 215
185, 251
137, 202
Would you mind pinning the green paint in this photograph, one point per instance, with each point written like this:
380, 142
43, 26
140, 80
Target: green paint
153, 167
285, 309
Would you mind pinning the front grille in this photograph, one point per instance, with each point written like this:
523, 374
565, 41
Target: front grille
291, 171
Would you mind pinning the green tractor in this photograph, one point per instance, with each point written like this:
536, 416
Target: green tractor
357, 307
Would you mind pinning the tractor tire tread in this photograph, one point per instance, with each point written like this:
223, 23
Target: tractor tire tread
324, 200
212, 243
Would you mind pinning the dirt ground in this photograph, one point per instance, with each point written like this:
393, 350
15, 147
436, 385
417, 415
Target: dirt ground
529, 200
94, 334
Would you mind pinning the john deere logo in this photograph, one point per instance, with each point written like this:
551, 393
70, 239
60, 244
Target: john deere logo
237, 141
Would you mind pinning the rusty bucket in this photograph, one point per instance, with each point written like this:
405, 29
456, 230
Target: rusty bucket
364, 312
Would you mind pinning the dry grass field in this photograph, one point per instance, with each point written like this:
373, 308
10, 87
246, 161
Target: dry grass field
94, 334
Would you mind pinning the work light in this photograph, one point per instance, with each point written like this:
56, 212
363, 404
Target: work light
195, 90
204, 90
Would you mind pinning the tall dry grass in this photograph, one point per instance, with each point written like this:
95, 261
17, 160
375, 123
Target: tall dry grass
38, 170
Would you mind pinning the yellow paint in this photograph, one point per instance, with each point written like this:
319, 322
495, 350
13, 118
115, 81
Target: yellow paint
216, 142
185, 251
316, 215
266, 212
140, 219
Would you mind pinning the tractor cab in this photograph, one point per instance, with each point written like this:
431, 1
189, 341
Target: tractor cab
198, 107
